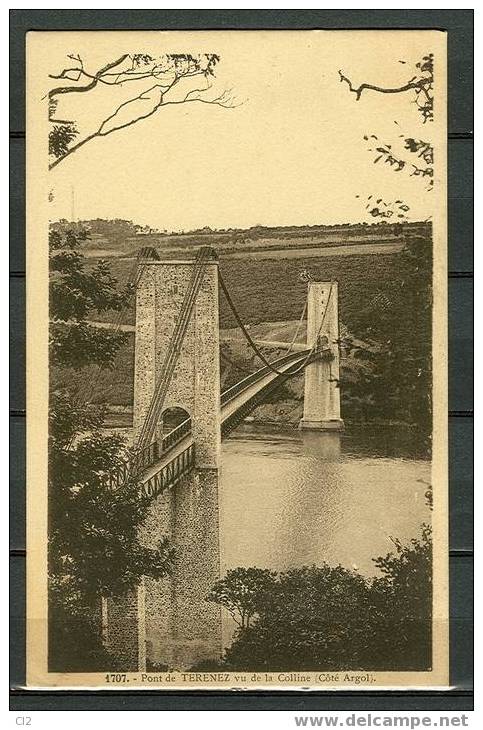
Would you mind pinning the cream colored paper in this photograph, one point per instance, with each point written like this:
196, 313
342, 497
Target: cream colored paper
288, 152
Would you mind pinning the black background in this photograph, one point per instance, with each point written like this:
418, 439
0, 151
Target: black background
459, 25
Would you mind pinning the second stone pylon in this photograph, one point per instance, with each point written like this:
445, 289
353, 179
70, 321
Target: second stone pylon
322, 376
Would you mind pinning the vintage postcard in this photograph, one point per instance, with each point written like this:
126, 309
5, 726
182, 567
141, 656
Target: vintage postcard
237, 396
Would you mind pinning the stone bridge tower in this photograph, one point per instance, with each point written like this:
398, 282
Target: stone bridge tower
322, 393
172, 624
195, 385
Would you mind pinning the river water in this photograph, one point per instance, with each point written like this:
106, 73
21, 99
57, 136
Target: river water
290, 498
302, 498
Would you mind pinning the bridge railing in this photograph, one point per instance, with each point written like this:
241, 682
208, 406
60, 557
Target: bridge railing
147, 456
230, 393
171, 473
174, 436
133, 466
144, 457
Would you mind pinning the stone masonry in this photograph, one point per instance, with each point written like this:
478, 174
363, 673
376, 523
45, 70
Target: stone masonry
175, 626
322, 396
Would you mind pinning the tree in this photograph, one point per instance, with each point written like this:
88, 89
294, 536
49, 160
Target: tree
331, 618
398, 319
309, 618
94, 530
241, 592
174, 78
94, 544
401, 603
74, 293
416, 155
420, 85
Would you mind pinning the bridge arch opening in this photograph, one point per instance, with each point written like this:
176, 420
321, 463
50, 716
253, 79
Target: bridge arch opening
173, 424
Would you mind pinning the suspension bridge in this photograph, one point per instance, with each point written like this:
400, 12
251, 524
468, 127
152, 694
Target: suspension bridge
177, 356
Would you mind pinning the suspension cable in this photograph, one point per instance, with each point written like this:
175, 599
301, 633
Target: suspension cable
132, 282
86, 393
254, 346
174, 348
302, 316
289, 350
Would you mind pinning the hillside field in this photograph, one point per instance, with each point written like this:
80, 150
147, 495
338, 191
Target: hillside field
123, 238
268, 290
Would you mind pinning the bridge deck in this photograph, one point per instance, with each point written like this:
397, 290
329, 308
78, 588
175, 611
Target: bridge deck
232, 400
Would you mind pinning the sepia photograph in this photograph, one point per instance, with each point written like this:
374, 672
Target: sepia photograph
237, 358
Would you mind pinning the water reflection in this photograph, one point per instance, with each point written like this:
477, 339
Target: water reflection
323, 446
308, 497
378, 440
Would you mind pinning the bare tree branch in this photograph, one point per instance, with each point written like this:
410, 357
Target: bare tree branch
73, 149
95, 79
167, 72
421, 85
412, 84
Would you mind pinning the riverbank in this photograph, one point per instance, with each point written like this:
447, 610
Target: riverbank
404, 440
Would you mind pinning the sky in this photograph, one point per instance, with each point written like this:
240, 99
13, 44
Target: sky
291, 151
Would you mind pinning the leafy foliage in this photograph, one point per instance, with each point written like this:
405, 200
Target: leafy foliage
381, 208
332, 618
74, 292
423, 152
242, 592
94, 544
60, 137
79, 344
424, 96
398, 320
401, 603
